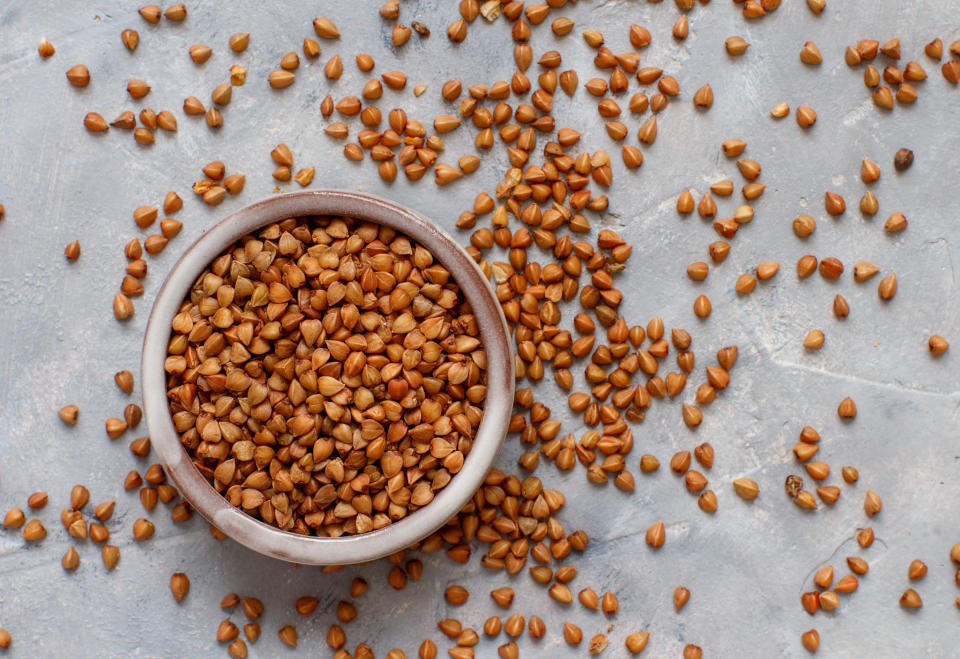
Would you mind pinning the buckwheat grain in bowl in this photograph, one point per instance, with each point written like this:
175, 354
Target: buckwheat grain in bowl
326, 375
408, 337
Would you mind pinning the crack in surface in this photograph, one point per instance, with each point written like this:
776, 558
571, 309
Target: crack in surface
867, 381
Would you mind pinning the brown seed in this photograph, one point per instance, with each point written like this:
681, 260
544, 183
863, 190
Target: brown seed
806, 116
691, 651
632, 156
290, 61
864, 270
906, 93
648, 131
868, 48
137, 88
79, 496
14, 519
502, 596
829, 600
142, 529
637, 641
239, 41
917, 569
767, 269
707, 501
831, 268
698, 271
847, 409
143, 136
910, 599
179, 585
806, 265
746, 488
609, 604
883, 97
810, 54
745, 283
281, 78
222, 94
234, 183
311, 50
226, 631
937, 344
692, 415
857, 565
166, 121
130, 39
176, 12
45, 49
869, 171
701, 306
33, 531
122, 306
813, 340
457, 31
846, 584
824, 576
79, 76
834, 203
680, 597
104, 511
804, 225
588, 598
951, 71
780, 110
805, 500
71, 559
304, 176
902, 159
456, 595
913, 72
69, 414
125, 120
810, 640
736, 45
896, 222
656, 535
95, 123
306, 605
598, 644
888, 286
868, 203
840, 307
681, 28
703, 97
325, 28
872, 503
237, 649
200, 53
572, 634
110, 555
192, 106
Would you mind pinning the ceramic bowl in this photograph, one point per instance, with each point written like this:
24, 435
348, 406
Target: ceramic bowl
270, 540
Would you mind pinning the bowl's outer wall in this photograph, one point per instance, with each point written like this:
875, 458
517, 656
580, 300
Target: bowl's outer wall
270, 540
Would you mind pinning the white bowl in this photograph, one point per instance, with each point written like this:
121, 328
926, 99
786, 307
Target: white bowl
270, 540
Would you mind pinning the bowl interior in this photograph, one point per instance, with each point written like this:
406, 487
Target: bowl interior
258, 535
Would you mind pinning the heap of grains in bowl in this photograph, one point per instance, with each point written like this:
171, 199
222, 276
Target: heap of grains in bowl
326, 375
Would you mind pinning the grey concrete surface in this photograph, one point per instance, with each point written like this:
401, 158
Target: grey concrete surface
747, 564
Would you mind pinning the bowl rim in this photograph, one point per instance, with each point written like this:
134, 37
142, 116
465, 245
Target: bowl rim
253, 533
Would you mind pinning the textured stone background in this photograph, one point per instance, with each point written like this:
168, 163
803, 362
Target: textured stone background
746, 565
